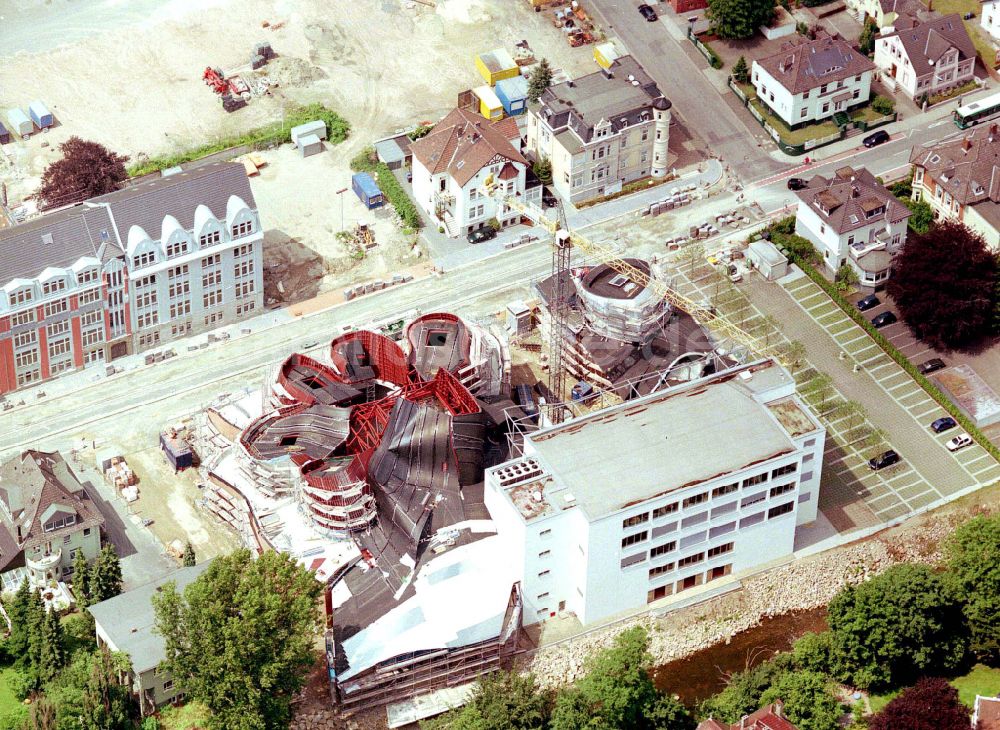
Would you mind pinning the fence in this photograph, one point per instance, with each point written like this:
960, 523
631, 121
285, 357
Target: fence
711, 56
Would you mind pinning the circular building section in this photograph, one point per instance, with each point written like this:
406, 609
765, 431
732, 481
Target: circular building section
615, 306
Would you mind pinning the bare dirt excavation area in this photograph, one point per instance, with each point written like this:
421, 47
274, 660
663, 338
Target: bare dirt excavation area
384, 66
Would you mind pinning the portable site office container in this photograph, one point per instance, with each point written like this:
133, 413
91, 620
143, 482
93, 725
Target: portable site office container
513, 94
489, 104
317, 127
309, 145
20, 124
40, 114
177, 451
4, 134
367, 190
495, 65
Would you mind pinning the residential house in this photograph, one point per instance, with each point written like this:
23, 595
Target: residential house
852, 220
127, 622
452, 165
989, 18
960, 179
891, 15
600, 501
46, 518
813, 80
601, 131
928, 58
128, 271
771, 717
986, 713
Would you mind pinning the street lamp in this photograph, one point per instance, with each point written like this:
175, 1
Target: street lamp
340, 195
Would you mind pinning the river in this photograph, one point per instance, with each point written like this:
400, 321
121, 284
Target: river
699, 675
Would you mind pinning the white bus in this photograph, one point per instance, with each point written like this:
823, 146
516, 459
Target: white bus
977, 111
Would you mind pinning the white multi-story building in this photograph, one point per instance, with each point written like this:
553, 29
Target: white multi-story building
928, 58
453, 164
853, 220
626, 506
601, 131
989, 18
813, 80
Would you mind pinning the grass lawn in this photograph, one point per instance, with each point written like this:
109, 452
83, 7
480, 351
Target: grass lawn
865, 113
796, 136
192, 716
982, 680
9, 704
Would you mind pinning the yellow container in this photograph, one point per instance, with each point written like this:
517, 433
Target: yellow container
605, 54
490, 105
496, 65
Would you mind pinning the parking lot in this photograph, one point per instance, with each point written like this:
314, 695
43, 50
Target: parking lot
923, 451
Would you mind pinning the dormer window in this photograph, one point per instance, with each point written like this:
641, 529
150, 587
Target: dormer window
53, 286
21, 296
875, 211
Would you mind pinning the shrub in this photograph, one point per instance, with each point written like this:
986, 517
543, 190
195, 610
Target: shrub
543, 170
740, 71
883, 105
20, 684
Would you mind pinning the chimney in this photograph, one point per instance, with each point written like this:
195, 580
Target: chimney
779, 708
993, 132
855, 191
967, 144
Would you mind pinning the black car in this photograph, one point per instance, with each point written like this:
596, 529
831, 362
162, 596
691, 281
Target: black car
482, 234
943, 424
869, 302
796, 183
931, 366
876, 138
884, 319
886, 458
647, 12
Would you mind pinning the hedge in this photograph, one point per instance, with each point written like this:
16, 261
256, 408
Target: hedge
932, 390
390, 187
337, 130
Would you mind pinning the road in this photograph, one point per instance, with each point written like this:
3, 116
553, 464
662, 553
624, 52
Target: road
658, 47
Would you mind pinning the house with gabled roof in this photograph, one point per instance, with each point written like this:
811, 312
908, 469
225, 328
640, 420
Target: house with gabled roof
770, 717
928, 58
452, 165
812, 80
960, 179
46, 517
852, 220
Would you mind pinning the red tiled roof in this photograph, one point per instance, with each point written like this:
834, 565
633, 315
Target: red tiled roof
463, 143
812, 64
925, 43
988, 713
968, 167
766, 718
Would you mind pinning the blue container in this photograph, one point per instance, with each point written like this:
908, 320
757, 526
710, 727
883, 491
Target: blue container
40, 114
367, 190
513, 94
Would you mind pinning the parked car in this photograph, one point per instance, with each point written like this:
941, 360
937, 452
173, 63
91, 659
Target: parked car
796, 183
876, 138
943, 424
869, 302
482, 234
647, 12
931, 366
959, 442
884, 319
886, 458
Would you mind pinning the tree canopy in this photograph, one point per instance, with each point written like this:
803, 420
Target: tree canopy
737, 19
973, 552
944, 284
240, 638
931, 704
539, 81
105, 579
190, 559
809, 701
896, 627
86, 170
617, 693
742, 695
500, 701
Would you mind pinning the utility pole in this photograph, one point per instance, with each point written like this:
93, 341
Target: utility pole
341, 196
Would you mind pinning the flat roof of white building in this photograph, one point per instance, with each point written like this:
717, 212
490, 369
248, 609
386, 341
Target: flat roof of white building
612, 459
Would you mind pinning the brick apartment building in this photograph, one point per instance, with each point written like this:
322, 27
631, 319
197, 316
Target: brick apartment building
127, 271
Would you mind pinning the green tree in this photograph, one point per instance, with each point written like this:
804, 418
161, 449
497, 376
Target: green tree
540, 80
820, 389
51, 652
19, 611
846, 278
883, 105
866, 41
500, 701
107, 703
809, 701
921, 215
793, 353
896, 627
543, 170
743, 693
66, 691
617, 692
190, 560
240, 639
740, 71
105, 579
737, 19
81, 574
811, 652
42, 714
973, 554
